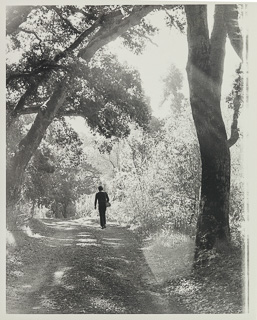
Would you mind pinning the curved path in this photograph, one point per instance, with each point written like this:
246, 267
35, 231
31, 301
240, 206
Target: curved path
75, 267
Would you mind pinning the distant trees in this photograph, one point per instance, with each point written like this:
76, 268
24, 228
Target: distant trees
59, 172
156, 179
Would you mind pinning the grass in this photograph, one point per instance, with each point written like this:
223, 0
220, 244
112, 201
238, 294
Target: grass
216, 288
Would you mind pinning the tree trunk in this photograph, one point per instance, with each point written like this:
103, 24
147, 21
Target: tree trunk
26, 149
205, 72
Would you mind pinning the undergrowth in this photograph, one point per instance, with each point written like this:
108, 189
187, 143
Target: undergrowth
216, 288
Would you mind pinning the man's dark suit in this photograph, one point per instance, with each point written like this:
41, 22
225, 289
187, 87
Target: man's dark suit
101, 197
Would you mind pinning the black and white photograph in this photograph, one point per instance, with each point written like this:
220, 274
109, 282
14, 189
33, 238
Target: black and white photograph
129, 159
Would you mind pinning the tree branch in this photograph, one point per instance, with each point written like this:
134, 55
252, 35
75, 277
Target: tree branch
30, 32
79, 40
66, 21
237, 99
144, 36
114, 25
42, 68
233, 30
30, 110
33, 86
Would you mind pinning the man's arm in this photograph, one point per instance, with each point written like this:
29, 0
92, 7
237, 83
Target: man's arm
95, 200
107, 198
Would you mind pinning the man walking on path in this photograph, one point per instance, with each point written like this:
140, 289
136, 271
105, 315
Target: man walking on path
101, 197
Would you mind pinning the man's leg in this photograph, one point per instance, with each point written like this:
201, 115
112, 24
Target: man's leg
104, 219
101, 212
101, 217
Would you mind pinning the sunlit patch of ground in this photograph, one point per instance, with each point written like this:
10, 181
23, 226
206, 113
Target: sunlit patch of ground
60, 274
75, 267
169, 254
104, 304
215, 288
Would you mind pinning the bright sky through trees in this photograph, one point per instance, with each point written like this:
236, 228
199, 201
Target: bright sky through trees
168, 47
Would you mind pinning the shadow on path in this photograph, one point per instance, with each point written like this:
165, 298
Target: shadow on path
76, 267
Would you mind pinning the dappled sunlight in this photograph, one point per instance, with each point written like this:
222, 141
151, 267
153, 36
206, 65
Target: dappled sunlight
69, 287
106, 305
84, 234
92, 281
170, 258
87, 269
10, 239
65, 227
83, 242
112, 239
113, 244
87, 244
59, 239
86, 240
47, 303
56, 242
36, 308
187, 287
18, 273
117, 259
59, 275
30, 233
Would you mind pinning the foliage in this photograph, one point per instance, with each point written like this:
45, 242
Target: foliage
46, 46
113, 98
136, 38
156, 177
155, 180
223, 292
176, 17
70, 175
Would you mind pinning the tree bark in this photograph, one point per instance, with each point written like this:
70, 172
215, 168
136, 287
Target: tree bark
205, 72
113, 27
26, 149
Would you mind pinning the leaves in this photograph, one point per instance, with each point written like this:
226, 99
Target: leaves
59, 172
157, 174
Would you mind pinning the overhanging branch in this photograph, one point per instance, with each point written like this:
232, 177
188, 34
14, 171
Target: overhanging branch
65, 20
112, 28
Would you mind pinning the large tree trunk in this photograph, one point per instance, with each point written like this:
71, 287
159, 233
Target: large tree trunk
25, 151
205, 72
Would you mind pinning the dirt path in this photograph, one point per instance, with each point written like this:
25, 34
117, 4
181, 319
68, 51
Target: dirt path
79, 268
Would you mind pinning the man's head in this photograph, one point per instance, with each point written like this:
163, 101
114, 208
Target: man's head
100, 188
